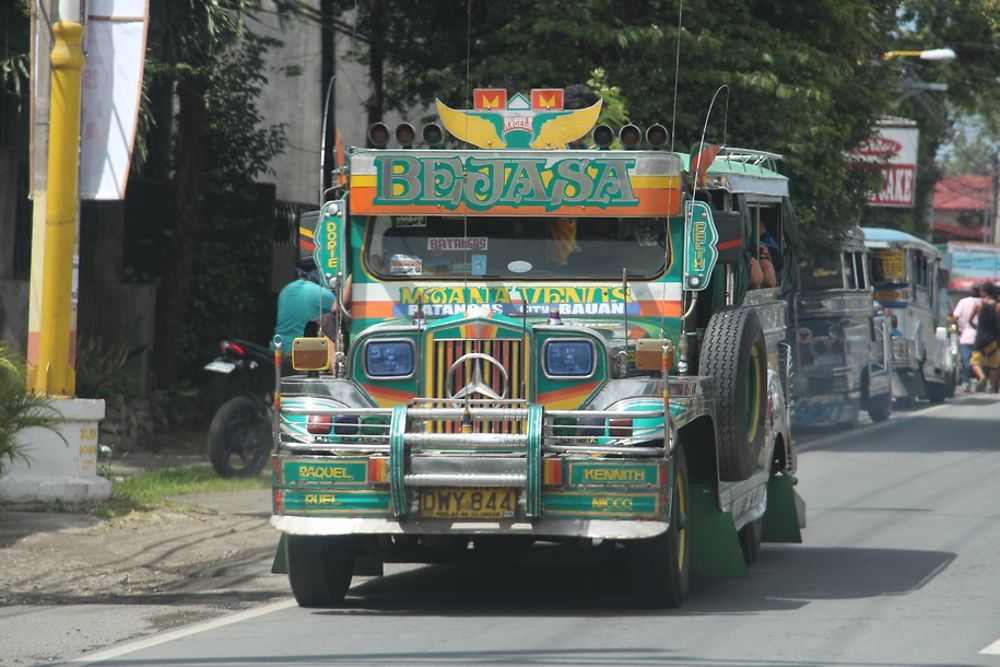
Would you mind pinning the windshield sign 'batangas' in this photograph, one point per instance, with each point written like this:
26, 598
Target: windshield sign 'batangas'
560, 183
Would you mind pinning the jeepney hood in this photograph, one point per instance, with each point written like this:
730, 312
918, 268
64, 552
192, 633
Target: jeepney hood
508, 355
610, 329
651, 310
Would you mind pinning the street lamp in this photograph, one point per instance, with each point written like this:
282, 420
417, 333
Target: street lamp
937, 55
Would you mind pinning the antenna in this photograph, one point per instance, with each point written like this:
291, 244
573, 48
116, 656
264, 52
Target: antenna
322, 149
696, 169
704, 129
623, 355
524, 345
677, 73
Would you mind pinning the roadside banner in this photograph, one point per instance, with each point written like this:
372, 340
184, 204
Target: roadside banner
115, 47
894, 148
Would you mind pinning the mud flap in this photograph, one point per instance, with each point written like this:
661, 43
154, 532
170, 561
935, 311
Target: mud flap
280, 563
715, 545
786, 511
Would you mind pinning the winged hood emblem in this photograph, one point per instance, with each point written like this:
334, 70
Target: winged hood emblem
518, 125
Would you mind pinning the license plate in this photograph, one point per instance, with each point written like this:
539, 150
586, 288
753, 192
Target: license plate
218, 366
467, 503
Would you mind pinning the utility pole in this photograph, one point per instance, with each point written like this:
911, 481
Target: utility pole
63, 462
55, 374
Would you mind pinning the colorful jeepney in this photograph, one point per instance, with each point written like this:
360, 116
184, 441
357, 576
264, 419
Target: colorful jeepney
844, 355
548, 350
906, 278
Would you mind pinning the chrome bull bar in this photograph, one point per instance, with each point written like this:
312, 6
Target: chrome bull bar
400, 432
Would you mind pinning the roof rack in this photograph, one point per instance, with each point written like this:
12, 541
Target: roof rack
751, 156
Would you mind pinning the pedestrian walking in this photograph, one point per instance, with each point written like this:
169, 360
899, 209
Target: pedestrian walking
964, 314
985, 349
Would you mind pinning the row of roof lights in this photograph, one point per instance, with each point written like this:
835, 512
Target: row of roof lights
434, 135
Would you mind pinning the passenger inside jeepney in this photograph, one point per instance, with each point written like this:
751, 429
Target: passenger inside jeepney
773, 252
516, 247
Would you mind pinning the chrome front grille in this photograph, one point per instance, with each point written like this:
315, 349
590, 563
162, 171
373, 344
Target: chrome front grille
444, 354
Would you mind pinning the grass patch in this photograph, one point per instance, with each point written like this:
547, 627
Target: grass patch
154, 490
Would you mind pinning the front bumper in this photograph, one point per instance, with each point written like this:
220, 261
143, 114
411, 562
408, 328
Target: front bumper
590, 528
573, 473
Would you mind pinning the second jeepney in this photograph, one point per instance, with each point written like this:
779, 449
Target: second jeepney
843, 342
548, 349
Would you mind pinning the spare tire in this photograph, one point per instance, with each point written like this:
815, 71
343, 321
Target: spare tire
734, 355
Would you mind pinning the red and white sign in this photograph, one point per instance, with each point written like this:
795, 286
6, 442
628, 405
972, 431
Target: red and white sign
458, 243
894, 148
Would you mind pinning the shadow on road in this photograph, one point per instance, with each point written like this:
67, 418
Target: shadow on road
785, 577
921, 434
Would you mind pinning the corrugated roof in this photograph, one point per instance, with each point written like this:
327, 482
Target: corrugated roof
963, 193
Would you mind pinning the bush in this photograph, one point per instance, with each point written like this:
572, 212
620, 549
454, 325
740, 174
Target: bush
20, 409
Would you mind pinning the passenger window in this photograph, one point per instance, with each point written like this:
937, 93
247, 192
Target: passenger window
849, 277
859, 271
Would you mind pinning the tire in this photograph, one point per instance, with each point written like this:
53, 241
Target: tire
319, 568
880, 408
751, 536
239, 438
660, 567
734, 355
936, 391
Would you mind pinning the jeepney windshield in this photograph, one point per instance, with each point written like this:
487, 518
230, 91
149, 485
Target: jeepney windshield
826, 273
888, 266
404, 247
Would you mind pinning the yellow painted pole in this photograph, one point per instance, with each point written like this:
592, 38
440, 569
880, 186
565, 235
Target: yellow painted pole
54, 375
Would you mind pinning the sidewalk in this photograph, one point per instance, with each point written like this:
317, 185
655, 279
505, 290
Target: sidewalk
219, 541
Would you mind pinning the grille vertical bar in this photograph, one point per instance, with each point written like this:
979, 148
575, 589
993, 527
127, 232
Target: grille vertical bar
443, 355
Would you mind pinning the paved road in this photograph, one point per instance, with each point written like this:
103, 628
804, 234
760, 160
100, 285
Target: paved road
899, 567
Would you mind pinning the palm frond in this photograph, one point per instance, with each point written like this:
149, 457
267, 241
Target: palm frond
21, 409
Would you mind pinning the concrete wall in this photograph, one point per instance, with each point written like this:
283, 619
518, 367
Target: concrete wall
297, 101
117, 313
292, 97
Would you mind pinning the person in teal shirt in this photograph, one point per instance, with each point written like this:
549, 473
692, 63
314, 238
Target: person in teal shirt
301, 301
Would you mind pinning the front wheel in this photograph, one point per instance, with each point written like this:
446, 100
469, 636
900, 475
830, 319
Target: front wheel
880, 407
660, 566
239, 438
319, 568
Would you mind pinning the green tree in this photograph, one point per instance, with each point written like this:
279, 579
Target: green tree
974, 146
972, 29
231, 266
203, 56
805, 79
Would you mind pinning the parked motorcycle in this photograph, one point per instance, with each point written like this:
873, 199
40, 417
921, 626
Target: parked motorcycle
239, 437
